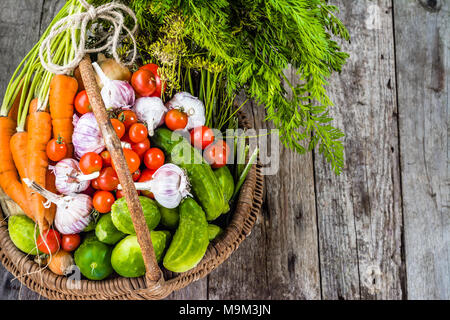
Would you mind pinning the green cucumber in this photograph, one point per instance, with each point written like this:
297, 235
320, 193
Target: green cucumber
169, 217
205, 185
191, 239
106, 232
226, 181
214, 231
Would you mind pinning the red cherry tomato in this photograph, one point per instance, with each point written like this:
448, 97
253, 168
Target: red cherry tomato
138, 132
119, 127
82, 104
176, 119
70, 242
103, 201
136, 175
121, 194
146, 175
106, 158
144, 82
94, 184
126, 138
141, 147
49, 242
154, 158
216, 154
108, 180
56, 149
154, 69
133, 160
128, 118
201, 137
90, 163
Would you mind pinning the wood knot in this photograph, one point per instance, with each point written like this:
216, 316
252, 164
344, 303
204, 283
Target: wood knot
431, 5
372, 278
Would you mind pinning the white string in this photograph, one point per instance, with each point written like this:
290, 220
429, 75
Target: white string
110, 12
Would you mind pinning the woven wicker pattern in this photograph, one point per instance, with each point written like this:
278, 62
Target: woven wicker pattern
57, 287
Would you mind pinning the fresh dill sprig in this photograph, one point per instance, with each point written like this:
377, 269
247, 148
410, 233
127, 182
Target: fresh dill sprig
254, 42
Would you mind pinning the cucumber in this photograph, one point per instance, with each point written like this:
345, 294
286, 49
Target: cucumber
169, 217
191, 239
106, 232
23, 233
226, 181
121, 217
205, 185
214, 231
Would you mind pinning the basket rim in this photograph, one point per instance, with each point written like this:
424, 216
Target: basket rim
53, 286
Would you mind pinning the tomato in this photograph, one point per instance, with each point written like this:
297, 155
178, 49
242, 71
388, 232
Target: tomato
136, 175
108, 180
154, 69
144, 82
119, 127
121, 194
216, 154
82, 104
128, 118
103, 201
126, 138
141, 147
201, 137
146, 175
106, 158
56, 149
154, 158
176, 119
94, 184
133, 160
70, 242
49, 242
90, 163
138, 132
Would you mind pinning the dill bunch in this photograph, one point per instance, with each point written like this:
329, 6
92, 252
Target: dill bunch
252, 42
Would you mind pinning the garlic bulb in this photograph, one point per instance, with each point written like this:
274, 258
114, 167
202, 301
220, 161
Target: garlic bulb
116, 94
73, 213
192, 106
69, 178
87, 136
151, 111
169, 185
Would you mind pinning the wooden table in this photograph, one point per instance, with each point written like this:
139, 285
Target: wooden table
380, 230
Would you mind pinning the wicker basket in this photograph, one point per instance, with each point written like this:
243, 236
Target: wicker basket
156, 284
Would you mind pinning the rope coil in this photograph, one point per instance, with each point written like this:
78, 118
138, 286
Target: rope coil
112, 12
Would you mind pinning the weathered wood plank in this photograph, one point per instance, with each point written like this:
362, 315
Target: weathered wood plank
422, 31
19, 31
280, 258
359, 212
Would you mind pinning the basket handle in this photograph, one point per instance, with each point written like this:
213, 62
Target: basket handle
113, 145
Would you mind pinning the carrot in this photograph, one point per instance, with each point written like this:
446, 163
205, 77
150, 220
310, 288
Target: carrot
62, 94
39, 134
50, 185
32, 109
9, 180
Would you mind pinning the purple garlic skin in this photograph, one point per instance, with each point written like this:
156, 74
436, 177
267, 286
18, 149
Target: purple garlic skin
87, 136
73, 214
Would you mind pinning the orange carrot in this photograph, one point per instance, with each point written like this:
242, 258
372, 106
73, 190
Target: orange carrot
39, 134
63, 90
18, 145
9, 180
50, 185
32, 109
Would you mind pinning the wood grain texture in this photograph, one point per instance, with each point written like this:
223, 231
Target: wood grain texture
280, 258
422, 46
359, 212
